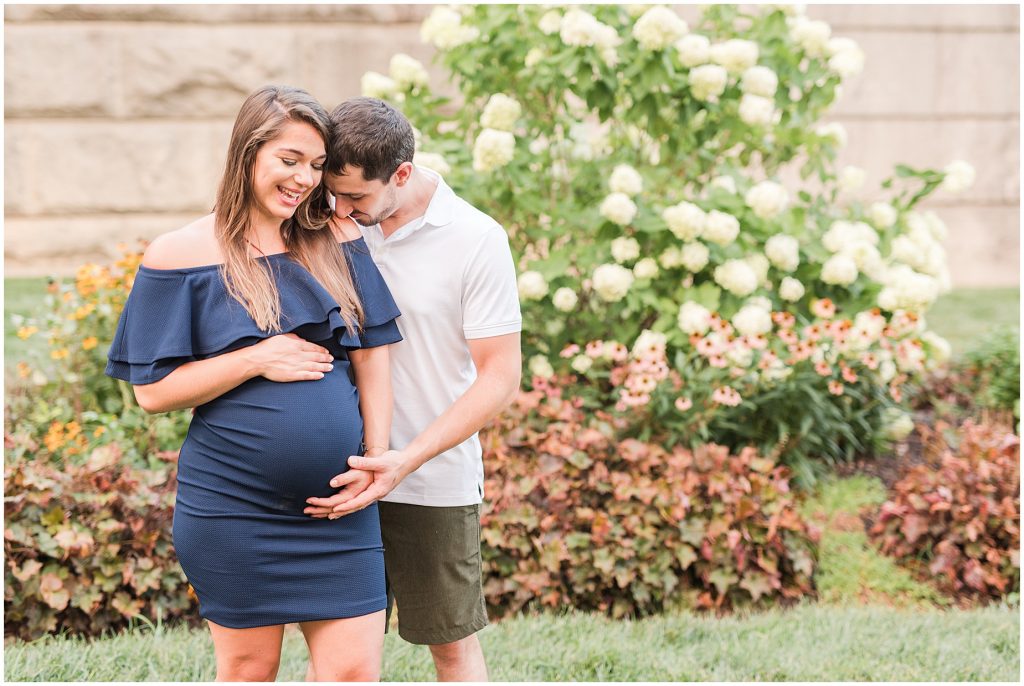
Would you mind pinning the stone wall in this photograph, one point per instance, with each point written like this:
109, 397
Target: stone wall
117, 116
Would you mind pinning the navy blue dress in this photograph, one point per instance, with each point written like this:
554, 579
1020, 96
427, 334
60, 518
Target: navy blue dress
253, 455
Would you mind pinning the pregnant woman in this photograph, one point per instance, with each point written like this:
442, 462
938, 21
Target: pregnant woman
272, 321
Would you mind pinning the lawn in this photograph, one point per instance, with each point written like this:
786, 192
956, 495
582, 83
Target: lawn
806, 643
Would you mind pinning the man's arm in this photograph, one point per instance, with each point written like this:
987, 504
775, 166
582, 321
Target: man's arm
498, 361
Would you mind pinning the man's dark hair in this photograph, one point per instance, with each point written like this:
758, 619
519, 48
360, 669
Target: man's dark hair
370, 134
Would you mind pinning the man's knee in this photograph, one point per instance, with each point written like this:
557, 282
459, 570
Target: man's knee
456, 650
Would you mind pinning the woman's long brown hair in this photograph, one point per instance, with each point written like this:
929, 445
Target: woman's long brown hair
306, 234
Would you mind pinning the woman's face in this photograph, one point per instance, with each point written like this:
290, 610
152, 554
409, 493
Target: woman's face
286, 171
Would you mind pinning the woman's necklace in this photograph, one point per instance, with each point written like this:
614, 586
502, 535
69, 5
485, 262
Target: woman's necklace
256, 247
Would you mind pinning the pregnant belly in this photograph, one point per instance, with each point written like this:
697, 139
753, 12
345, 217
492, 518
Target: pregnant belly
270, 445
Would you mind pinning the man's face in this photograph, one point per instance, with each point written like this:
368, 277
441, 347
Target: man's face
371, 202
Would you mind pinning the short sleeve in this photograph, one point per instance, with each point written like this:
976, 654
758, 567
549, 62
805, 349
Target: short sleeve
490, 296
154, 333
379, 309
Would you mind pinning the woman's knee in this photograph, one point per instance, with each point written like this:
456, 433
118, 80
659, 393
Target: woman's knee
247, 668
348, 671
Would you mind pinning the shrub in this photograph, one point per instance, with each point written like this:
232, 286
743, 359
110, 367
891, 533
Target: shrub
88, 546
578, 516
992, 371
635, 163
960, 512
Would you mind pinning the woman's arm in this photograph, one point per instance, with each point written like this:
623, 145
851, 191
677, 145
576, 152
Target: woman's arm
373, 381
285, 357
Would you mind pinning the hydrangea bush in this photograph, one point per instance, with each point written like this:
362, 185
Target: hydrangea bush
687, 246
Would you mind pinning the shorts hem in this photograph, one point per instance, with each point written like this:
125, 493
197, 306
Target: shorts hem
440, 637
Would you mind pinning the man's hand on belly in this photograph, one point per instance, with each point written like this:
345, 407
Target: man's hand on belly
351, 484
387, 470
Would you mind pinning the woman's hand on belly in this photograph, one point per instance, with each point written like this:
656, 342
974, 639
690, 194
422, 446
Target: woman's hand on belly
286, 357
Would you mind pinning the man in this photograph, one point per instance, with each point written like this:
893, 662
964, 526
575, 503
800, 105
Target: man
451, 272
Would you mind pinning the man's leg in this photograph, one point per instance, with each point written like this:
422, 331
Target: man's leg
432, 556
460, 661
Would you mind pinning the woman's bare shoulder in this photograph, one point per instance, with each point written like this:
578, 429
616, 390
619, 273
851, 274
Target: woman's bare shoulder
344, 229
193, 245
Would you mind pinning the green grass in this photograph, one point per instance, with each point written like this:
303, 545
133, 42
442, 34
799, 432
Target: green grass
851, 570
967, 314
22, 298
807, 643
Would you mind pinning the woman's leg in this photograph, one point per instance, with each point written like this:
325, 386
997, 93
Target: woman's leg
247, 654
345, 649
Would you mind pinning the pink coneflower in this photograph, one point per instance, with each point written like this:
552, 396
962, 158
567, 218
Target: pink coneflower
707, 347
634, 399
823, 307
835, 387
823, 368
849, 375
569, 351
767, 360
895, 393
595, 349
616, 351
869, 360
683, 404
812, 332
717, 361
784, 320
726, 395
757, 341
788, 336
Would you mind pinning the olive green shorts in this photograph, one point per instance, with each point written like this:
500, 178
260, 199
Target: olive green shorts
432, 560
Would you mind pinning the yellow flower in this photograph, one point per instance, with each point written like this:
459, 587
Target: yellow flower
24, 370
100, 430
59, 354
27, 331
73, 429
85, 310
54, 438
89, 343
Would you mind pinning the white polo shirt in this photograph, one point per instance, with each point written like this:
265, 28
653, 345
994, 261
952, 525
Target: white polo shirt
452, 274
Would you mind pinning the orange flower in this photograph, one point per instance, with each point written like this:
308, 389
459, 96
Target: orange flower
54, 438
24, 370
27, 331
100, 430
89, 343
59, 354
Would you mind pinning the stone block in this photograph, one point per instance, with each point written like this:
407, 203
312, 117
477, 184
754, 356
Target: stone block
918, 17
983, 245
979, 73
187, 71
61, 71
207, 13
991, 146
338, 56
87, 167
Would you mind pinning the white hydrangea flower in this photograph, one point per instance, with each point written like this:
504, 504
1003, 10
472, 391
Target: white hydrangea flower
811, 35
851, 178
736, 55
843, 234
582, 364
783, 251
539, 366
839, 270
501, 112
694, 49
625, 179
940, 347
726, 183
625, 249
646, 268
835, 131
882, 214
708, 81
737, 277
551, 22
493, 149
846, 58
761, 81
752, 320
767, 199
581, 28
866, 257
534, 57
648, 341
611, 282
959, 176
618, 209
376, 85
694, 256
936, 226
432, 160
694, 318
658, 28
408, 72
740, 356
757, 111
444, 30
685, 220
791, 289
565, 299
897, 424
532, 285
671, 257
720, 228
759, 264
